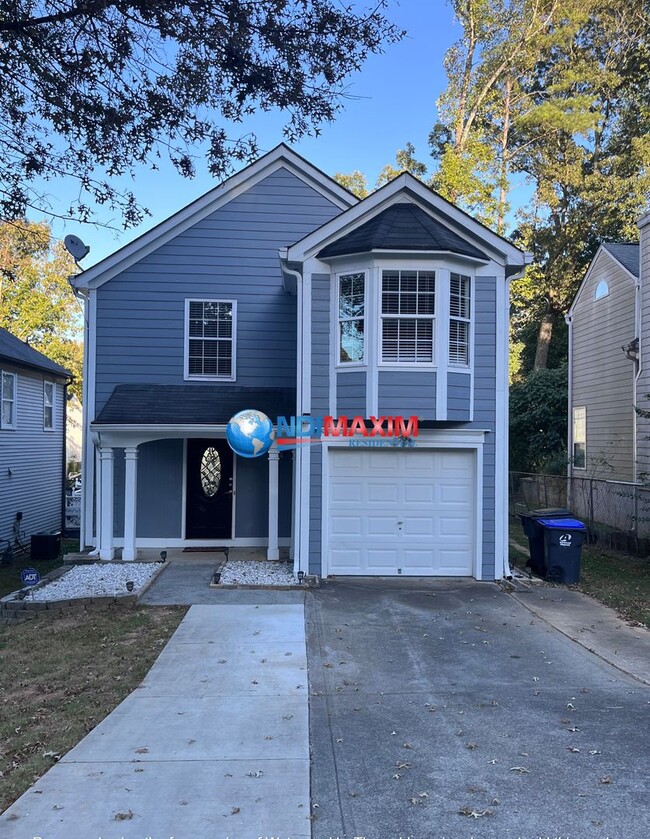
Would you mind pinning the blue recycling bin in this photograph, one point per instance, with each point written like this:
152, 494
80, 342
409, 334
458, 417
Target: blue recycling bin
563, 540
530, 521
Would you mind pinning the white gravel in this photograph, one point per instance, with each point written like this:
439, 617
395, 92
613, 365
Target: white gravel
252, 573
96, 580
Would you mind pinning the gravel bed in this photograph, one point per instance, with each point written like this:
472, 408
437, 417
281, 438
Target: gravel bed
97, 580
252, 573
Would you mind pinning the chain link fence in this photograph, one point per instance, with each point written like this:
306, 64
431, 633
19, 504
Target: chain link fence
617, 514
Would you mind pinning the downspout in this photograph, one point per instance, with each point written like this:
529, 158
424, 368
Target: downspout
83, 297
569, 429
298, 560
638, 301
64, 454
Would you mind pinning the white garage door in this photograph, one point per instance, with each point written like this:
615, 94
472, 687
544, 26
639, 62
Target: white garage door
401, 511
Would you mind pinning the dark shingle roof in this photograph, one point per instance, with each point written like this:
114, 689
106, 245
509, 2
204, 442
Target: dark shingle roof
401, 226
17, 351
626, 254
192, 404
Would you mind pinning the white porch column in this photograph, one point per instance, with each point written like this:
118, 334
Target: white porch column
130, 502
106, 550
273, 551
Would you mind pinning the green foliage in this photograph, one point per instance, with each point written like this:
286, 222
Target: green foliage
89, 89
36, 302
356, 182
538, 422
406, 162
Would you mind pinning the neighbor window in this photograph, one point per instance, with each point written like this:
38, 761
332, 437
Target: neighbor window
351, 317
459, 319
580, 438
210, 339
602, 290
7, 400
48, 406
407, 314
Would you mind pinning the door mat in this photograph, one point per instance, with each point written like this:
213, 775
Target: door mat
205, 550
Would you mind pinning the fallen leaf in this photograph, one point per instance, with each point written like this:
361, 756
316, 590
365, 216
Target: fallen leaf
474, 814
400, 765
595, 752
572, 749
236, 810
521, 769
606, 780
407, 745
122, 817
142, 751
471, 746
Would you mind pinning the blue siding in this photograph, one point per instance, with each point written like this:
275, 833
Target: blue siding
408, 392
351, 393
458, 396
320, 344
315, 510
160, 489
35, 458
231, 254
252, 502
485, 406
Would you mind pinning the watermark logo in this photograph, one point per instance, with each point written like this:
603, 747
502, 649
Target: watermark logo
250, 433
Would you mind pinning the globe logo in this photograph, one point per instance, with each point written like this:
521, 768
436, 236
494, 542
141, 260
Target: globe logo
250, 433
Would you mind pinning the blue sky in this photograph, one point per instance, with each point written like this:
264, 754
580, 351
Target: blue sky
393, 102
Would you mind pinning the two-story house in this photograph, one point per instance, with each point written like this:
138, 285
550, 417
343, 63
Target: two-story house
281, 291
32, 441
609, 364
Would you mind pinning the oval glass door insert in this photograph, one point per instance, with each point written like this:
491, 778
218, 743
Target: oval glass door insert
210, 471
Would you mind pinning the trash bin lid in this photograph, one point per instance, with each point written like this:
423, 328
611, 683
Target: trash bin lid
562, 524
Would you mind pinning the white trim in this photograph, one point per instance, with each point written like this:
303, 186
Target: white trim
442, 341
305, 501
575, 408
501, 542
272, 552
186, 341
107, 544
468, 439
333, 366
405, 365
12, 426
52, 384
306, 343
130, 501
406, 186
374, 340
279, 157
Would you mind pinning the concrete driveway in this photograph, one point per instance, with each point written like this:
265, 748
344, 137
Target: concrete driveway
446, 709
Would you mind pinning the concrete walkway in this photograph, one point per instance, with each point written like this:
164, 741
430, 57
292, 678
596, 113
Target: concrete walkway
213, 744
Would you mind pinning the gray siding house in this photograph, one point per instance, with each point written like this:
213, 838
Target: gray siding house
280, 291
32, 441
609, 358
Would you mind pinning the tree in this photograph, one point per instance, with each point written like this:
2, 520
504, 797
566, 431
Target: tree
356, 182
89, 88
538, 422
406, 162
36, 302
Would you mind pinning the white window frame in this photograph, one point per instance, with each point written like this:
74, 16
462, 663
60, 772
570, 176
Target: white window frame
366, 321
46, 383
574, 438
5, 425
463, 365
402, 365
186, 342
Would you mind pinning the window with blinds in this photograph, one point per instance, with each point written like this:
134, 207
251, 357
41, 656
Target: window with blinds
210, 339
459, 319
407, 317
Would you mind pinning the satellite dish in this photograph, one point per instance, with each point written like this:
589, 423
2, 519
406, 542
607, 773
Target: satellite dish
76, 247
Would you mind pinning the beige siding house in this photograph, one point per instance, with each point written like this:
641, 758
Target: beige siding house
609, 330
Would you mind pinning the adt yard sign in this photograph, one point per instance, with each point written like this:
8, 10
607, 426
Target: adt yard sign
29, 577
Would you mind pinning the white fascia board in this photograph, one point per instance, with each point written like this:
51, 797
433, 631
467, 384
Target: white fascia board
280, 157
406, 186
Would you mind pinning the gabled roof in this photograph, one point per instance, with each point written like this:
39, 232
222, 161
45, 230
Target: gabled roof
17, 351
408, 189
279, 157
402, 226
191, 404
625, 253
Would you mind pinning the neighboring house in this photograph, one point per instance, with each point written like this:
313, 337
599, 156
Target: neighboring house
32, 440
281, 291
609, 363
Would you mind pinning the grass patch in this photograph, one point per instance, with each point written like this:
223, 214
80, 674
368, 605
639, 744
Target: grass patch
61, 674
10, 575
611, 577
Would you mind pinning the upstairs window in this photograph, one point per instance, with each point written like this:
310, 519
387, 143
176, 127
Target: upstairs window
602, 290
7, 400
48, 406
459, 319
352, 317
407, 317
210, 339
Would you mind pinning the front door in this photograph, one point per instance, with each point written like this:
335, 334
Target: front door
209, 490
